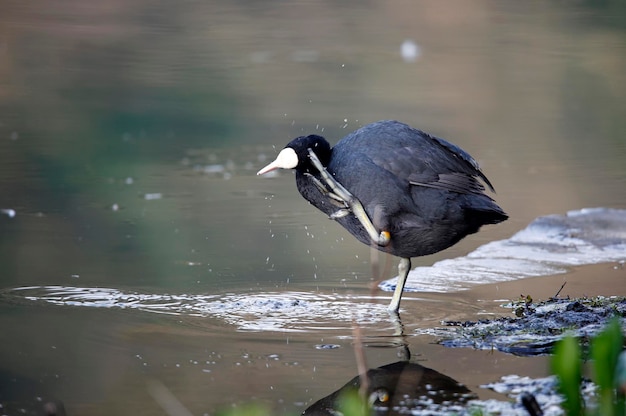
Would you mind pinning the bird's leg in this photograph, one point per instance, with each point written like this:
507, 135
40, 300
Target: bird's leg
320, 186
383, 238
404, 353
403, 272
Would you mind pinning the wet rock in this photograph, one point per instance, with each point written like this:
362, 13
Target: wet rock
538, 329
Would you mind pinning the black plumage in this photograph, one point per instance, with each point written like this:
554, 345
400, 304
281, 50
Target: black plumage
425, 192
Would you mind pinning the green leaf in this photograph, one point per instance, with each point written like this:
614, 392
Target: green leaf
352, 404
566, 365
605, 350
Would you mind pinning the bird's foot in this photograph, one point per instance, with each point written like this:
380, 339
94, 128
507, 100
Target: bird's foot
340, 213
335, 199
341, 193
319, 185
351, 203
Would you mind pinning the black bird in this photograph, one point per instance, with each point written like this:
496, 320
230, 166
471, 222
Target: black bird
402, 190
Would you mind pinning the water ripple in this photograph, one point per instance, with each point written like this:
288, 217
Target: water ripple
284, 311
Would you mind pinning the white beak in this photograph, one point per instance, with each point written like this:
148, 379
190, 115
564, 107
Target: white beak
286, 159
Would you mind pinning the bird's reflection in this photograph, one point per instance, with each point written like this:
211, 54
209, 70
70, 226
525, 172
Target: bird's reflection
398, 387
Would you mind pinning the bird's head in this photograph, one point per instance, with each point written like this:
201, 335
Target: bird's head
296, 154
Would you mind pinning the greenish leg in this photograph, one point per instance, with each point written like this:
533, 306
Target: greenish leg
383, 238
403, 272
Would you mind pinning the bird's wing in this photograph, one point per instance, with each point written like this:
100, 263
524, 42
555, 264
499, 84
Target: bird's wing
471, 165
455, 182
431, 162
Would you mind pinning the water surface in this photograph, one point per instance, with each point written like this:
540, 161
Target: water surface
130, 133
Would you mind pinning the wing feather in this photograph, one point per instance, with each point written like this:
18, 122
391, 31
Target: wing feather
417, 157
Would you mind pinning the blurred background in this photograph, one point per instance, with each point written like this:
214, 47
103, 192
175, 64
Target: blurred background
131, 131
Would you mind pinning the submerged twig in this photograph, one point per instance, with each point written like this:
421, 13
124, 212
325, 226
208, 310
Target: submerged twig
166, 399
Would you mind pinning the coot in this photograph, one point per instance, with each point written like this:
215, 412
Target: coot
395, 187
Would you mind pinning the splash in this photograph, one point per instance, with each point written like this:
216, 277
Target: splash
268, 311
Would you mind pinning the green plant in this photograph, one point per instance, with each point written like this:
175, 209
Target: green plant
605, 350
566, 365
351, 403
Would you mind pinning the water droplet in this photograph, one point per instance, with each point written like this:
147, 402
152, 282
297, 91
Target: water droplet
410, 51
8, 212
153, 196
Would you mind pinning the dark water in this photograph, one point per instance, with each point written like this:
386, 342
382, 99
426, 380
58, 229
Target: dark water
130, 133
